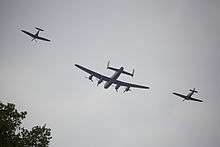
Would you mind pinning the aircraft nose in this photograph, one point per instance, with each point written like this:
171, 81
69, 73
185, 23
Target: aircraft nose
105, 86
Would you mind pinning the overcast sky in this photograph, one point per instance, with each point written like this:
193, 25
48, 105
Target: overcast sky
174, 45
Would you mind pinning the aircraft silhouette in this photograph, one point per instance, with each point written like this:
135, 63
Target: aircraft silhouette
113, 79
35, 36
188, 96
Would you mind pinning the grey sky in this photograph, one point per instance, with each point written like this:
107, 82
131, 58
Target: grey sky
173, 46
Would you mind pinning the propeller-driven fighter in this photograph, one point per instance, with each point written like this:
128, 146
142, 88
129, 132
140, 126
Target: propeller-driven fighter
35, 36
113, 79
188, 96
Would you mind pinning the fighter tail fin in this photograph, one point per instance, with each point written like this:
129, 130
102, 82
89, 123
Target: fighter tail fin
193, 90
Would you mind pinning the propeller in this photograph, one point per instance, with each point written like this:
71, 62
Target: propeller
99, 82
117, 87
127, 89
90, 78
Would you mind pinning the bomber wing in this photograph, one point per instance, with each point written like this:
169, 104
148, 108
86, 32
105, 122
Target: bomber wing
95, 74
180, 95
117, 82
194, 99
28, 33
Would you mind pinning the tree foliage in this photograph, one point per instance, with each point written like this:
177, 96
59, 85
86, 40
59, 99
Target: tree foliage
13, 135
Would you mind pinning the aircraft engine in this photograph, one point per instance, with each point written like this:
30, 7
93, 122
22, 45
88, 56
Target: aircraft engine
116, 87
127, 89
90, 78
99, 81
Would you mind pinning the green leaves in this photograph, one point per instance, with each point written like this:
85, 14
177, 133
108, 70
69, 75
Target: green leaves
11, 134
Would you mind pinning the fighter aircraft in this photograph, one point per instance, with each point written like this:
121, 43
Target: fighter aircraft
188, 96
35, 36
113, 79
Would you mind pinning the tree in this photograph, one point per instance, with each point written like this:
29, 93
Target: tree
13, 135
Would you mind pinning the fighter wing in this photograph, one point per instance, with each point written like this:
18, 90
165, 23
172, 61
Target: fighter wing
41, 38
194, 99
32, 35
95, 74
180, 95
117, 82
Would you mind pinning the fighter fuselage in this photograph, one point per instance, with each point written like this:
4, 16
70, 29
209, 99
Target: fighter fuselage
189, 95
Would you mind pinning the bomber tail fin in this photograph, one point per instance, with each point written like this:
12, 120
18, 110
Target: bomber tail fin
111, 68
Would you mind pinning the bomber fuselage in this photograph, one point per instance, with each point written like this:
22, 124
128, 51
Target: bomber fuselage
113, 78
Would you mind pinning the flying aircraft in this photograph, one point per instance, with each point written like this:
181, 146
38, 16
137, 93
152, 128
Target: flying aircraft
188, 96
113, 79
35, 36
